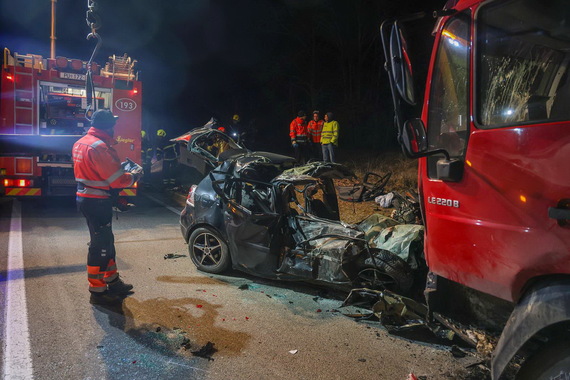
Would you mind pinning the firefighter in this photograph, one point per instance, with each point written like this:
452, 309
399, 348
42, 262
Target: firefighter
314, 128
146, 155
99, 173
167, 151
235, 130
159, 143
299, 139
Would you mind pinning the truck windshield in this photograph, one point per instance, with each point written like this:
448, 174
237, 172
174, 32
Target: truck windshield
523, 51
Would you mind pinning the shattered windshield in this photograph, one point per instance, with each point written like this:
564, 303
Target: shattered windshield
523, 54
212, 145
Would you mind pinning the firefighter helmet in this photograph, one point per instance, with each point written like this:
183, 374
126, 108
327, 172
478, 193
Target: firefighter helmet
236, 117
143, 134
161, 133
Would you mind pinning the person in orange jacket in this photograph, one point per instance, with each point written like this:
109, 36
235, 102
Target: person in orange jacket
99, 172
299, 138
314, 128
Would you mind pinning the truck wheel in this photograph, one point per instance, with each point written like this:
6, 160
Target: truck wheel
553, 362
208, 251
390, 273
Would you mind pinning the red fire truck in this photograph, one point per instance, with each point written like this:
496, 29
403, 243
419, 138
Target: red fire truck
493, 143
42, 113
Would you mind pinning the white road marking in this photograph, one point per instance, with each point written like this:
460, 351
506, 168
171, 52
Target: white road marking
177, 212
17, 353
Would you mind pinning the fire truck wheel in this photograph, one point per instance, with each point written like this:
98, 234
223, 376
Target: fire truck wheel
552, 362
208, 251
390, 273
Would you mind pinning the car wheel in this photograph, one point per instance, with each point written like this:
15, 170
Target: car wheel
390, 273
208, 251
553, 362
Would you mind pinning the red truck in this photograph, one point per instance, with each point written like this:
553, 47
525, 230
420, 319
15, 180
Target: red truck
493, 143
42, 113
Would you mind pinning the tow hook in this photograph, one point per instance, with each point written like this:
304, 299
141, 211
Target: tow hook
561, 213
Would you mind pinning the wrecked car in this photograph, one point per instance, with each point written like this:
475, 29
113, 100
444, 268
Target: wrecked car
257, 214
199, 151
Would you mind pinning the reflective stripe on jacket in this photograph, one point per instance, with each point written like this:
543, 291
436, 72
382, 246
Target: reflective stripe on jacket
298, 130
97, 166
329, 135
315, 128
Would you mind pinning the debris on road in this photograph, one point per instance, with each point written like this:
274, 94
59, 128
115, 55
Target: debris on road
293, 352
206, 351
400, 316
173, 256
457, 352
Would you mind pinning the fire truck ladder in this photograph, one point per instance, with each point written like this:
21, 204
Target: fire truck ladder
120, 68
24, 64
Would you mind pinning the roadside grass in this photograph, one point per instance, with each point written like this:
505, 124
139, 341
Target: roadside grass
403, 179
404, 170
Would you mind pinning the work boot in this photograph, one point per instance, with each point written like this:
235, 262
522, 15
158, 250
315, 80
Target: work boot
105, 298
118, 286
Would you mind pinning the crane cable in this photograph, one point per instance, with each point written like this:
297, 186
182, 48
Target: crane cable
93, 22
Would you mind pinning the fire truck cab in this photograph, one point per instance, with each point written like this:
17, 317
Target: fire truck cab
493, 143
42, 113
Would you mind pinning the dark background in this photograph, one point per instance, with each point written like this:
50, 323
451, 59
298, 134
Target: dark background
261, 59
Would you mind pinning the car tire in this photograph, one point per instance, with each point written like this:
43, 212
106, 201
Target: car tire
552, 362
208, 251
390, 273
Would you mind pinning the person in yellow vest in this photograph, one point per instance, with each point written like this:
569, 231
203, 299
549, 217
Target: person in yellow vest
329, 137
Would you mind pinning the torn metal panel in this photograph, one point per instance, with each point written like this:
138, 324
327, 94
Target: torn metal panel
403, 240
322, 248
318, 170
374, 224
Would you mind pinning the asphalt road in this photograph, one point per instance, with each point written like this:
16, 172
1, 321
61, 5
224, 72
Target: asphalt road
268, 331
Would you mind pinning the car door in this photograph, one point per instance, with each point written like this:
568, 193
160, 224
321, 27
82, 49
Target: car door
253, 226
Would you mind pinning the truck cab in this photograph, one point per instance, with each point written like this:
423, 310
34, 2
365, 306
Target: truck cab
493, 143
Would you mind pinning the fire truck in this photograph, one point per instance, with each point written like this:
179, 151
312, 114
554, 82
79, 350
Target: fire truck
493, 144
42, 113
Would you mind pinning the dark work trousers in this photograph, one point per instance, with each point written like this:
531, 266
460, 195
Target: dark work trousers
101, 256
302, 152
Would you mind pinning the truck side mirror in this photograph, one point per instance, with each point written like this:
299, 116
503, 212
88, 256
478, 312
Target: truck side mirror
415, 143
414, 138
401, 65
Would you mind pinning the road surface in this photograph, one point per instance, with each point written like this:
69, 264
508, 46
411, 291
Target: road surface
261, 329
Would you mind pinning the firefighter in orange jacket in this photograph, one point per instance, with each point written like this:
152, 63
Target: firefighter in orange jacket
314, 128
299, 138
99, 172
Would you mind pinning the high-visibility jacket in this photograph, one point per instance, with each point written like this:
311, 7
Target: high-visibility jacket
97, 166
329, 134
298, 131
315, 128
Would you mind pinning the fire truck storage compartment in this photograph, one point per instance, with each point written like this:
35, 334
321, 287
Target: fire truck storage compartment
62, 107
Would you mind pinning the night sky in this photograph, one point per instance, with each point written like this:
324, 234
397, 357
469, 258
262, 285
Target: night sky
261, 59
